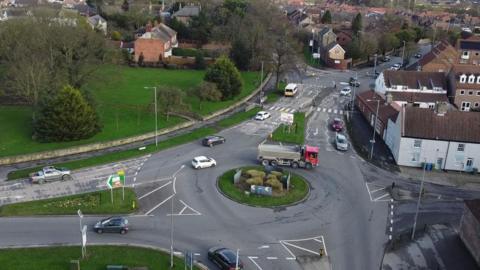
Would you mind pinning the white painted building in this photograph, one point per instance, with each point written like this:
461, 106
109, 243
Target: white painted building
411, 81
446, 139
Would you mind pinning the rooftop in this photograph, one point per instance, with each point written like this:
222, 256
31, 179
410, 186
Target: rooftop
187, 11
385, 111
415, 79
452, 126
470, 45
418, 97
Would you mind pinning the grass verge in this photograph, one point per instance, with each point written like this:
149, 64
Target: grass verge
298, 191
122, 155
98, 202
294, 134
98, 257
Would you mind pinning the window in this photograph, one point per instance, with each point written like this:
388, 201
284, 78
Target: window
476, 105
465, 106
417, 143
463, 78
471, 79
478, 80
462, 92
461, 147
478, 93
415, 157
470, 93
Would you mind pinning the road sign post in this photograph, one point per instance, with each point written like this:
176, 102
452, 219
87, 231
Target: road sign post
116, 181
121, 175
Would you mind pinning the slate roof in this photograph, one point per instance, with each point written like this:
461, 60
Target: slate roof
474, 206
412, 97
187, 11
471, 45
94, 20
415, 79
453, 126
161, 32
385, 111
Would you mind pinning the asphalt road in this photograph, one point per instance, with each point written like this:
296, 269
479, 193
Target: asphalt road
346, 213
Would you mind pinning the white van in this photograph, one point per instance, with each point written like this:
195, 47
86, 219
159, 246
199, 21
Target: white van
291, 89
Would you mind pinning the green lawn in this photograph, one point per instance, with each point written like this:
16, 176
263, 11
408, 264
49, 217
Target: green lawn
98, 202
122, 155
98, 257
294, 134
122, 104
297, 192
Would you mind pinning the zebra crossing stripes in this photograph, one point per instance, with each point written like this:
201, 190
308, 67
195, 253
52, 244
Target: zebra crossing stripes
282, 109
330, 110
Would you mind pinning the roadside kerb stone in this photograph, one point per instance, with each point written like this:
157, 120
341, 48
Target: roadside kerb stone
104, 145
164, 250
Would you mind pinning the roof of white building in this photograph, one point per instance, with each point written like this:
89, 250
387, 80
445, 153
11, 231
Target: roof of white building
415, 79
452, 126
412, 97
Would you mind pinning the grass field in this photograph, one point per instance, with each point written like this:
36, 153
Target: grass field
296, 133
123, 106
98, 202
297, 192
121, 155
98, 257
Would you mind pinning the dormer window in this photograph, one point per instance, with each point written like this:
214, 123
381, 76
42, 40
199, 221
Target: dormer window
465, 55
463, 78
471, 79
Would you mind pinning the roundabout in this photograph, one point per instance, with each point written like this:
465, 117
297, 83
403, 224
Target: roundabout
244, 184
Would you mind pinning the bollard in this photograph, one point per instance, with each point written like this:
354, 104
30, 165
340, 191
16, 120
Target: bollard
321, 252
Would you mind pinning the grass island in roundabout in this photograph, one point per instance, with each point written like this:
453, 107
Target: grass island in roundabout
263, 186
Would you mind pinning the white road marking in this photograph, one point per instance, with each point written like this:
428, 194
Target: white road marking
177, 253
329, 110
263, 247
335, 111
158, 205
15, 197
318, 109
185, 207
302, 248
368, 190
146, 194
377, 189
252, 258
340, 112
324, 246
272, 258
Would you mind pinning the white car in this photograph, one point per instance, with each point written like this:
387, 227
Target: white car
346, 91
49, 174
203, 162
341, 142
395, 66
262, 115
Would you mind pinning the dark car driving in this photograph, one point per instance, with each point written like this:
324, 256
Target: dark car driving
337, 125
112, 224
224, 258
213, 140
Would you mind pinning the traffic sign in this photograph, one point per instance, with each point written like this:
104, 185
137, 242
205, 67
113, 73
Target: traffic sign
116, 180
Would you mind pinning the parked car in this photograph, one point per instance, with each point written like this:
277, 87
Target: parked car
341, 142
386, 58
418, 55
224, 258
337, 124
213, 140
262, 115
396, 66
49, 174
354, 82
201, 162
112, 224
346, 91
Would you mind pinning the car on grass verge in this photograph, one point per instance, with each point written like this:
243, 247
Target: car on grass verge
262, 115
112, 225
203, 162
224, 258
341, 142
346, 91
50, 174
337, 124
213, 140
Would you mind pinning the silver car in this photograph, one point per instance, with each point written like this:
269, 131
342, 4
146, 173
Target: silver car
341, 142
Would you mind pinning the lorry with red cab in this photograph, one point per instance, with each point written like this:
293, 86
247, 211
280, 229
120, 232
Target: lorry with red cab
274, 153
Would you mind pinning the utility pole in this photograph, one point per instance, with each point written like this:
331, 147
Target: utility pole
418, 201
171, 230
236, 261
372, 141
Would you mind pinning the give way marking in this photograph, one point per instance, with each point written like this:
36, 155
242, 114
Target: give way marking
311, 245
378, 193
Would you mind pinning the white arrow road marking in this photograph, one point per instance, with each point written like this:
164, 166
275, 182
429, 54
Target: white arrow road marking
253, 258
145, 195
263, 247
158, 205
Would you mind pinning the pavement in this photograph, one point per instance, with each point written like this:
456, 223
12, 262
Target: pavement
437, 248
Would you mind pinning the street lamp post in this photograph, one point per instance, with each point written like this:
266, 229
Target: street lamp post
313, 39
174, 177
372, 141
375, 66
236, 260
403, 53
352, 99
418, 201
156, 113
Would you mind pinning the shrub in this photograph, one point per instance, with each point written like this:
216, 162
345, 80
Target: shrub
116, 35
274, 183
258, 181
185, 52
278, 174
255, 173
226, 76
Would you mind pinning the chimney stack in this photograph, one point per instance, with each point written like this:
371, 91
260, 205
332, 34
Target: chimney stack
388, 98
441, 108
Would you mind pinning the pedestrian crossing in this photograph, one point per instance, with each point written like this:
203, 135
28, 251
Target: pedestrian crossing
282, 109
330, 110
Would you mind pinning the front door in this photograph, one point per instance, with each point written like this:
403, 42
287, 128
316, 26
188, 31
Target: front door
439, 164
469, 165
465, 106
